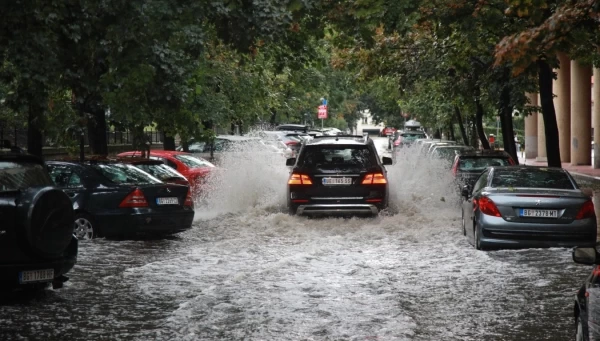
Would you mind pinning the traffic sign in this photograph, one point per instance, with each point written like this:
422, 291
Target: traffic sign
322, 112
324, 101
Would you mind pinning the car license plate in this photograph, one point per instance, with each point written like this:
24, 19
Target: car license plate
36, 276
167, 201
539, 213
337, 181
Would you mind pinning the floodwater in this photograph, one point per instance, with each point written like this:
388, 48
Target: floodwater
249, 271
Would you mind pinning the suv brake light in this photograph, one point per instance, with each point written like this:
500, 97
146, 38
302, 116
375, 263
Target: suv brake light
374, 179
487, 206
134, 199
511, 161
586, 211
455, 168
299, 179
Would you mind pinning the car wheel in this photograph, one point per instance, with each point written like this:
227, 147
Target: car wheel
292, 210
48, 213
477, 234
579, 330
84, 227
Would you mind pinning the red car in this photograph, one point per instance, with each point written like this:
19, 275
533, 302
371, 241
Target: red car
194, 168
388, 131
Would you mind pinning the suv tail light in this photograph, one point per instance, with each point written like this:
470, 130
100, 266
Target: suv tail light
487, 206
511, 161
189, 201
586, 211
134, 199
374, 179
299, 179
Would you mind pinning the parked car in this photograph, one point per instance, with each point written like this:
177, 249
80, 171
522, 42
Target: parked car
448, 152
115, 199
338, 175
194, 168
468, 165
37, 246
293, 127
586, 312
523, 206
222, 144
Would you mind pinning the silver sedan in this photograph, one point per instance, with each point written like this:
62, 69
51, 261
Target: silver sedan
521, 206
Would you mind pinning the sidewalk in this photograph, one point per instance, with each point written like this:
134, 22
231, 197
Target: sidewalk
587, 172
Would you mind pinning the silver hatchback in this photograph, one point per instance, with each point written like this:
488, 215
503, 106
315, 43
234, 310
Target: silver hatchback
522, 206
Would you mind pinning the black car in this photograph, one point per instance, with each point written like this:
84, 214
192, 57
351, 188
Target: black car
115, 199
468, 165
587, 300
338, 175
37, 245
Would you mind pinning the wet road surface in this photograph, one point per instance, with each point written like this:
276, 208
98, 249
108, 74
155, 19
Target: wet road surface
248, 271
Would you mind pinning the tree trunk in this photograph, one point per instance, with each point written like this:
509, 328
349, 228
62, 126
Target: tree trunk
506, 123
34, 134
273, 118
474, 139
451, 132
168, 142
479, 125
461, 126
545, 77
97, 130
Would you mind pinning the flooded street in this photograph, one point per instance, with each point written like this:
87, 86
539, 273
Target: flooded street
249, 271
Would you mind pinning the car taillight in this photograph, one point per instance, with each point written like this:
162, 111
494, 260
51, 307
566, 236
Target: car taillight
134, 199
299, 179
455, 168
586, 211
511, 161
487, 206
397, 142
374, 179
189, 201
291, 143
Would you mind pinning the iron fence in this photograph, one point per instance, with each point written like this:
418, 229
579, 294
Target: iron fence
18, 137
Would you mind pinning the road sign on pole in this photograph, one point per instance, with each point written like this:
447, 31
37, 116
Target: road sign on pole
322, 112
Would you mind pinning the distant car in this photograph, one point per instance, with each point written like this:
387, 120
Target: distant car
387, 131
114, 199
293, 127
338, 175
523, 206
194, 168
405, 138
586, 312
468, 165
37, 245
448, 152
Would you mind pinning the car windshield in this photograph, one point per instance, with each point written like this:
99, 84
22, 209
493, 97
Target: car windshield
481, 163
531, 178
193, 161
15, 176
338, 156
123, 174
162, 172
411, 136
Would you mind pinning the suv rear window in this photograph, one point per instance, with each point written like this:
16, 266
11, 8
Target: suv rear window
124, 174
15, 176
531, 178
481, 163
338, 156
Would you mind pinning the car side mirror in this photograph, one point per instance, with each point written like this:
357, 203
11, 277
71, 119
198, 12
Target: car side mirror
386, 161
585, 255
466, 191
290, 162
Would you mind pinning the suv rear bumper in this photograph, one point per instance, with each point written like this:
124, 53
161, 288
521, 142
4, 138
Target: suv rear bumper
317, 209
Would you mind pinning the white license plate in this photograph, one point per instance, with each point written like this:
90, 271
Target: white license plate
539, 213
337, 181
167, 201
36, 276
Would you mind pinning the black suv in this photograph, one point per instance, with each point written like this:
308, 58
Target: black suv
37, 245
338, 175
468, 165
